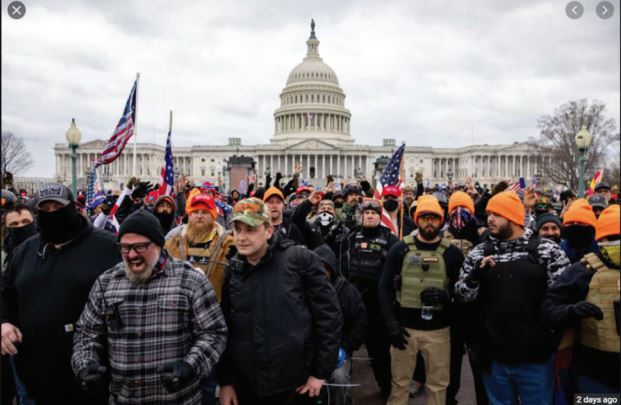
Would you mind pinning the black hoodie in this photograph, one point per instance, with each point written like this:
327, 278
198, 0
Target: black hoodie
355, 323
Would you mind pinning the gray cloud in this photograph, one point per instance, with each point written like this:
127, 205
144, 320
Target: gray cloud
436, 73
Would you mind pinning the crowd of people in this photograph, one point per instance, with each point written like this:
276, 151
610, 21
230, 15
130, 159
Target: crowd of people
263, 296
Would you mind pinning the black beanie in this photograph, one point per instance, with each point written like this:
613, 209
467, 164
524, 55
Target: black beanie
143, 223
545, 218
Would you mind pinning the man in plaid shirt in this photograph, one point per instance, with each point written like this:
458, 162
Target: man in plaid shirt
152, 320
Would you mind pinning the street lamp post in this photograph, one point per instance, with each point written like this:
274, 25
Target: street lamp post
583, 141
73, 136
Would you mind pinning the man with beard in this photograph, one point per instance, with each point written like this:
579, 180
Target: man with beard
586, 296
409, 199
391, 199
415, 295
205, 244
367, 248
152, 320
549, 226
275, 201
579, 231
509, 274
44, 292
165, 212
202, 241
349, 215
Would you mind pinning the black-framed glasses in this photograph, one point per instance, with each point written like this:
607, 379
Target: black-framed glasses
140, 247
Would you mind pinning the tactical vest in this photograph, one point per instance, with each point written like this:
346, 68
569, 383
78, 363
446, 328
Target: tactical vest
366, 258
603, 291
462, 244
421, 269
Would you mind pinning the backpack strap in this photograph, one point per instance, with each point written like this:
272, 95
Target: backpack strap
212, 260
488, 248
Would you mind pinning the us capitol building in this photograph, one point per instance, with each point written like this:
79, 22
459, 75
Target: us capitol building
311, 126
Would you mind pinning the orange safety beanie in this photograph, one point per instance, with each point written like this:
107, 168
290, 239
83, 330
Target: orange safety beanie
507, 204
580, 212
608, 222
460, 199
428, 204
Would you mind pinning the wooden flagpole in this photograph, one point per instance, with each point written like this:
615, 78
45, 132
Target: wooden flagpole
401, 178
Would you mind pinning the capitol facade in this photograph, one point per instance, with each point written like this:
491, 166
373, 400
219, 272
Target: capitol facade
312, 127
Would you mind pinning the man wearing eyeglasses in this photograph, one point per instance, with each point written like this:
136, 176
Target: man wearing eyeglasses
152, 320
367, 246
44, 291
416, 290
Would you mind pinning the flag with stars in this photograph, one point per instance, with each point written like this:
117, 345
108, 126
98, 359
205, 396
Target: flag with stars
168, 174
391, 176
93, 191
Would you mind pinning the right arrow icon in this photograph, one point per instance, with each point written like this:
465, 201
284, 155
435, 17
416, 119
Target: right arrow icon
604, 9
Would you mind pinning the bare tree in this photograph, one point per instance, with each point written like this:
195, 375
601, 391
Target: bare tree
15, 157
557, 140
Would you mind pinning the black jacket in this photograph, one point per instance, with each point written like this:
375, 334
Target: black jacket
43, 293
355, 322
284, 321
312, 237
571, 287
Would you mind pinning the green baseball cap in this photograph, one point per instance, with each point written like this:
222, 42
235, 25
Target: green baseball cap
252, 212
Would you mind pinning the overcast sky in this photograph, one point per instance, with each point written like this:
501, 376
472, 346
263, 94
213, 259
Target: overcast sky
431, 73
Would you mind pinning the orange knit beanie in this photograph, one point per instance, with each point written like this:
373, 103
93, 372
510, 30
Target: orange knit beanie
460, 199
580, 212
507, 204
608, 222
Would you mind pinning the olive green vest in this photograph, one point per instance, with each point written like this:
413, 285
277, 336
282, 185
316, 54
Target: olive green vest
603, 291
421, 269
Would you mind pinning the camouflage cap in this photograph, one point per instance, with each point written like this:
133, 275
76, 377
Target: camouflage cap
251, 211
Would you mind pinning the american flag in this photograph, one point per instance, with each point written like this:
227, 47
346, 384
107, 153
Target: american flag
93, 192
168, 173
390, 177
123, 131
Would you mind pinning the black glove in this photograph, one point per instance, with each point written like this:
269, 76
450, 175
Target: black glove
93, 378
175, 375
583, 309
434, 296
475, 274
397, 335
142, 189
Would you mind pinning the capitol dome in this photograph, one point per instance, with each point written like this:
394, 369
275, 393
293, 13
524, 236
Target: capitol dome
312, 104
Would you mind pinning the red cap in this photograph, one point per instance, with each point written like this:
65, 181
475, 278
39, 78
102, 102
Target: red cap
391, 190
303, 189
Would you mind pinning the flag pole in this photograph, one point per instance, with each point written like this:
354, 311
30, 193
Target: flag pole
401, 174
135, 126
170, 122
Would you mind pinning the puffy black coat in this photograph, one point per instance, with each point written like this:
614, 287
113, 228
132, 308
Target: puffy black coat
355, 322
45, 289
284, 320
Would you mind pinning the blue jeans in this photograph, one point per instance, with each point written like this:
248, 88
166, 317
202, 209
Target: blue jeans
586, 385
21, 390
208, 389
532, 383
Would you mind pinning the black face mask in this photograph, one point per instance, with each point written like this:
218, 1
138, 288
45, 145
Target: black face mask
338, 204
59, 226
166, 219
391, 205
15, 236
579, 237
